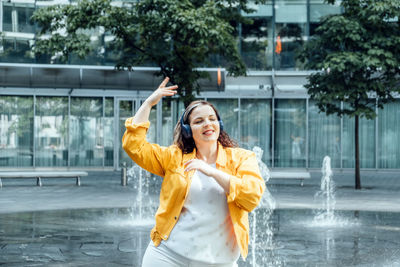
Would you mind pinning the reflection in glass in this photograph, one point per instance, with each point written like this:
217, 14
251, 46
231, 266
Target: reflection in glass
16, 131
96, 56
86, 131
16, 51
255, 125
126, 110
366, 135
109, 131
228, 109
51, 131
7, 18
24, 22
290, 133
290, 23
113, 49
319, 9
256, 43
389, 136
324, 137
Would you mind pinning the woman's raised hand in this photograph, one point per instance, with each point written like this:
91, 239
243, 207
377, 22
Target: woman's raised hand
161, 91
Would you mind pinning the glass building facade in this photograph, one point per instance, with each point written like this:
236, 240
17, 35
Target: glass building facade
51, 131
284, 23
49, 127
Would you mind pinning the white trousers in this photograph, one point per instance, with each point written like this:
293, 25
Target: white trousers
162, 256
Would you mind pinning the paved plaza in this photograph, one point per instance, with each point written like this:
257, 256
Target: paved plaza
60, 224
103, 190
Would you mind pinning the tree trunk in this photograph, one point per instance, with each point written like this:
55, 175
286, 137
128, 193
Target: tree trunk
357, 154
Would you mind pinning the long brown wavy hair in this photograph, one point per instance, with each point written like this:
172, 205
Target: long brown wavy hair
187, 144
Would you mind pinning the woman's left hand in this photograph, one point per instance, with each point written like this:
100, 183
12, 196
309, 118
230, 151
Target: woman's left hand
223, 179
198, 164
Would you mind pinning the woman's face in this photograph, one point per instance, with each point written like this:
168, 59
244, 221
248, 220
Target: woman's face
204, 124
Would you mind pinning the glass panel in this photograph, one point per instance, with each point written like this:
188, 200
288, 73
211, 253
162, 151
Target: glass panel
255, 128
323, 136
51, 131
319, 9
167, 123
366, 141
228, 109
291, 19
109, 132
86, 131
97, 53
257, 40
290, 133
389, 136
16, 51
112, 49
16, 131
7, 18
126, 108
24, 22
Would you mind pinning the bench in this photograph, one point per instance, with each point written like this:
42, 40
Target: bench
290, 174
43, 174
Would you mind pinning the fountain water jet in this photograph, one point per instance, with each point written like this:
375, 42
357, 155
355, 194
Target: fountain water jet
265, 209
326, 194
144, 207
325, 216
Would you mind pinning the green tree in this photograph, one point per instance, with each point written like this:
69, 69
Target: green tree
176, 35
357, 58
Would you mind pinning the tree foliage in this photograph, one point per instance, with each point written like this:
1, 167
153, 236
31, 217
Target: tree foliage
357, 55
176, 35
357, 58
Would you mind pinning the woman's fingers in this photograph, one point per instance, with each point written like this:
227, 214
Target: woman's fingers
194, 164
156, 96
188, 165
173, 87
164, 83
188, 162
168, 92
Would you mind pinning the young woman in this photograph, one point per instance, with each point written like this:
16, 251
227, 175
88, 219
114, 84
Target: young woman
209, 187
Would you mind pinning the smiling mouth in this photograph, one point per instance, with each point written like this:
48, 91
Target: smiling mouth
208, 132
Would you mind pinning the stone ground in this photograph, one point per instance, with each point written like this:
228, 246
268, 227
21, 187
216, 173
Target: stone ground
103, 190
45, 226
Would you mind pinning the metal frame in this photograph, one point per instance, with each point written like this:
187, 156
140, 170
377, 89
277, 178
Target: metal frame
34, 137
103, 124
159, 122
273, 132
341, 137
376, 135
307, 135
69, 132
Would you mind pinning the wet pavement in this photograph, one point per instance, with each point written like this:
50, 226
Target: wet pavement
97, 224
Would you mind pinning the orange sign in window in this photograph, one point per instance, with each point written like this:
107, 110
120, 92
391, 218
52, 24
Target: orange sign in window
278, 48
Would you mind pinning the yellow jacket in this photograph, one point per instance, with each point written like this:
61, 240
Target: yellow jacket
246, 183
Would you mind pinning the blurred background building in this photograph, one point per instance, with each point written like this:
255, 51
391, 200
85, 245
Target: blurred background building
72, 115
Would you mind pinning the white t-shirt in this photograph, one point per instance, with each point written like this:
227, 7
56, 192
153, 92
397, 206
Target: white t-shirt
204, 231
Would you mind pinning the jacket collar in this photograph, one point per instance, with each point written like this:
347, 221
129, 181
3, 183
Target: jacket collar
189, 156
221, 157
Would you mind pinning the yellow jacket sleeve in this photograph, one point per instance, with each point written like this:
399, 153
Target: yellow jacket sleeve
247, 187
150, 157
